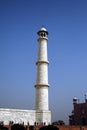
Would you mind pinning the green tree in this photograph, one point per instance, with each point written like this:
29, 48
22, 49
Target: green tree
59, 122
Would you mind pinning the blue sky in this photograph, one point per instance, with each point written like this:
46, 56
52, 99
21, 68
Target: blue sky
66, 22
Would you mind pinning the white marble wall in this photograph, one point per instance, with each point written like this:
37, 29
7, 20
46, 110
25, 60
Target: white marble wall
20, 116
17, 116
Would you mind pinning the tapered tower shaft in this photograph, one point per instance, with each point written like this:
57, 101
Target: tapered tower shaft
42, 72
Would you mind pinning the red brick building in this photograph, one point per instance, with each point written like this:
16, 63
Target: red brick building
79, 113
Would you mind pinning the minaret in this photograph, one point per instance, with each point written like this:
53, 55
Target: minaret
42, 86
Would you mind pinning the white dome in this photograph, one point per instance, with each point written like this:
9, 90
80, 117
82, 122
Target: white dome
75, 98
43, 29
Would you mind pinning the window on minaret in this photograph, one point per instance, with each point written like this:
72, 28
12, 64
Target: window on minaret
42, 34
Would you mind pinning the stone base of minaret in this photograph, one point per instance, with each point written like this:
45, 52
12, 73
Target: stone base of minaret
43, 117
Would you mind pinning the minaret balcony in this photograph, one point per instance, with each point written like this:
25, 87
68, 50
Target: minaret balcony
40, 62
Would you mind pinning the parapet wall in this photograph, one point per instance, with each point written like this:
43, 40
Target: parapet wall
17, 116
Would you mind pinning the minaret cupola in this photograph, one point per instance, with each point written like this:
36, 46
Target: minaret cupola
43, 33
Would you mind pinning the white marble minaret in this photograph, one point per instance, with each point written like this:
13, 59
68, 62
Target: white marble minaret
42, 86
41, 114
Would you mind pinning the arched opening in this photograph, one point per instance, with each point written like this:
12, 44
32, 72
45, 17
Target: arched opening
83, 121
